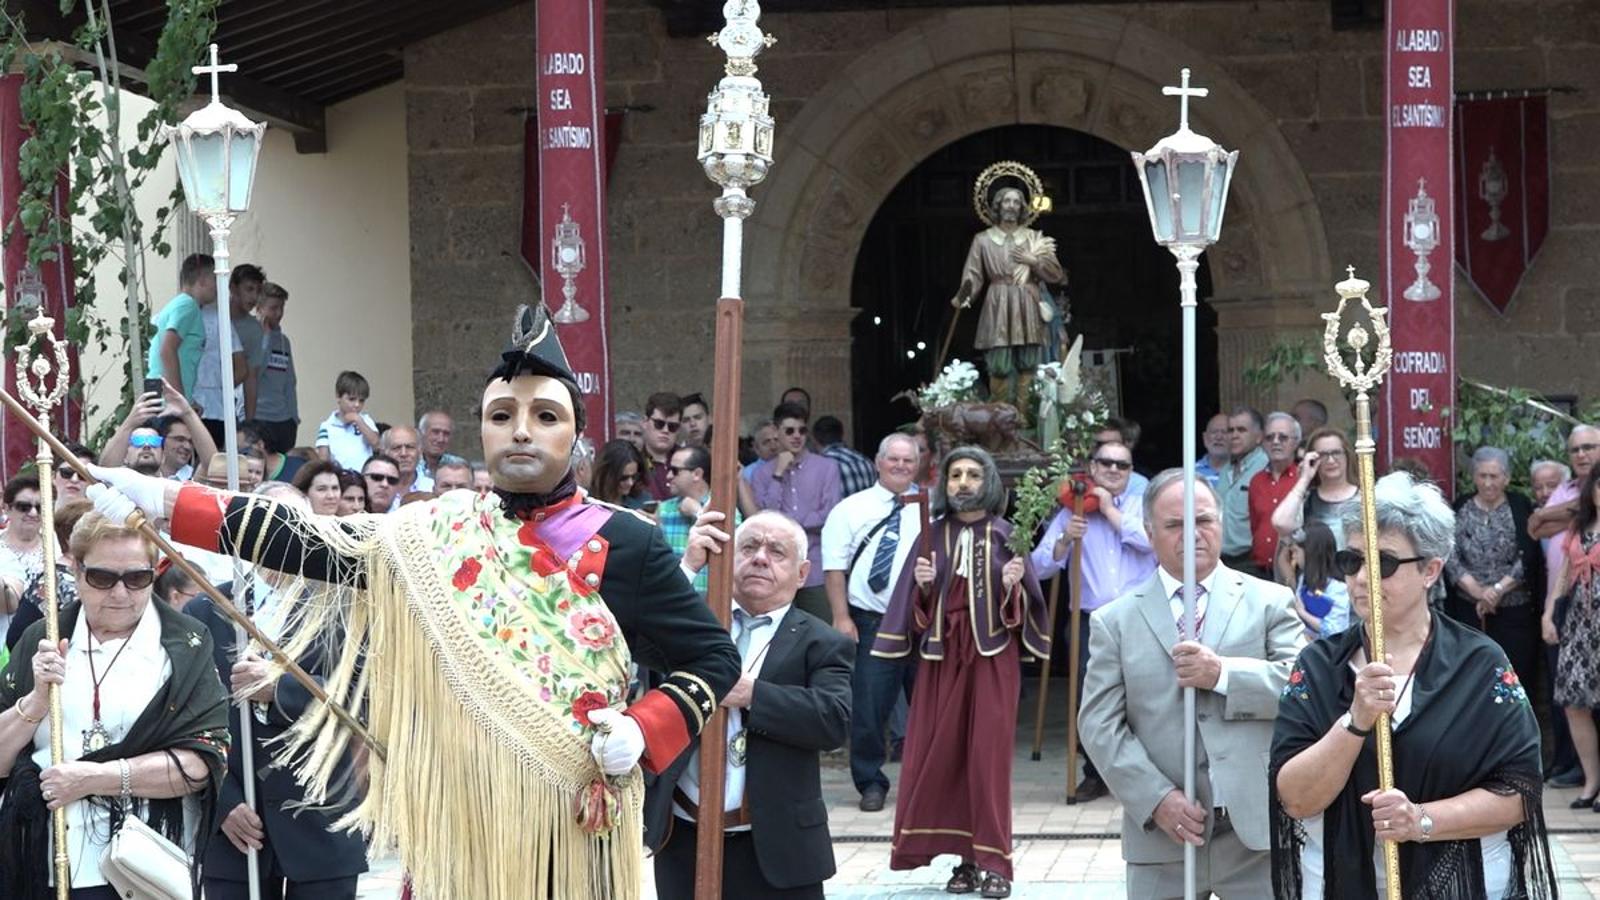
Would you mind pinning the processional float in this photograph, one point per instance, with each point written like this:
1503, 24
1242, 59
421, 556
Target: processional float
1360, 370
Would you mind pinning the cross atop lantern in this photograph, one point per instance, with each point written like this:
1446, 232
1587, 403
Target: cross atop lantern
1185, 178
217, 149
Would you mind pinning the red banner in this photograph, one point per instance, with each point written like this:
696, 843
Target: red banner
1503, 179
567, 195
52, 282
1417, 217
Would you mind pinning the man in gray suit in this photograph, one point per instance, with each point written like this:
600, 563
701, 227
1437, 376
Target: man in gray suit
1132, 719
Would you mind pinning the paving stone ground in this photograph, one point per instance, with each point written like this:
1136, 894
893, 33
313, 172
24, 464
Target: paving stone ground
1060, 850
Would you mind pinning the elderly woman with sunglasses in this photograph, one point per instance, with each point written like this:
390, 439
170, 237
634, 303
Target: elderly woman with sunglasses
146, 721
1465, 808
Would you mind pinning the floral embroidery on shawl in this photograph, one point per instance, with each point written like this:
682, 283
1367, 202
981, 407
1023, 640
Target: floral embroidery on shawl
532, 613
1507, 687
1297, 686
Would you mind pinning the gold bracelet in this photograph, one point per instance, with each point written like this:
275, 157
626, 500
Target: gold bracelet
25, 717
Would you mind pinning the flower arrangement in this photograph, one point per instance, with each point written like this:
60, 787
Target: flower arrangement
958, 383
1071, 408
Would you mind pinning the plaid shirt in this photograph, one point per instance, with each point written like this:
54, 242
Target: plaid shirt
675, 526
856, 472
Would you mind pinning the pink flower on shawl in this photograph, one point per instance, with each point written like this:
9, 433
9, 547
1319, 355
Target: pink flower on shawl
592, 630
543, 664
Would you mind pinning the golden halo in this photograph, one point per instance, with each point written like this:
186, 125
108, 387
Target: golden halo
1007, 168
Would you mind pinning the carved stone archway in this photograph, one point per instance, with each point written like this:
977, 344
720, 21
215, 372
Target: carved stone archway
971, 70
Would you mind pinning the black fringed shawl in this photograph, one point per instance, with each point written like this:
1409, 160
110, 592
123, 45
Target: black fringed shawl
1470, 726
188, 712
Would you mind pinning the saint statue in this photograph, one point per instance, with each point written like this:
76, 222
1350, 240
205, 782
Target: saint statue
1008, 263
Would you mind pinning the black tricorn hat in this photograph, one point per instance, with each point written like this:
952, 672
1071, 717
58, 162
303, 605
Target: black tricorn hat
534, 347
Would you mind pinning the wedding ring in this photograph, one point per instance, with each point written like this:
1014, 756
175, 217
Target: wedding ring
1384, 825
49, 795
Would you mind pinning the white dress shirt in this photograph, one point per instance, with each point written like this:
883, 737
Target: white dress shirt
126, 689
733, 776
847, 527
1174, 590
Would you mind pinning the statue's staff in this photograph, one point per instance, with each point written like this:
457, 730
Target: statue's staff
33, 383
138, 522
1362, 377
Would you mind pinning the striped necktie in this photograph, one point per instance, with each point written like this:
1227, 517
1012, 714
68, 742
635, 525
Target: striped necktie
1199, 611
883, 556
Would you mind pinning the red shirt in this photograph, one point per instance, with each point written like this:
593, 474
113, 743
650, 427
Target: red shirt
1266, 493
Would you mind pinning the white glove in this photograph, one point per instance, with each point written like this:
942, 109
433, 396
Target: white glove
111, 503
147, 492
617, 752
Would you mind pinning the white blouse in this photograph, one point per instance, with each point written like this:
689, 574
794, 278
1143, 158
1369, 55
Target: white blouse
1495, 848
125, 690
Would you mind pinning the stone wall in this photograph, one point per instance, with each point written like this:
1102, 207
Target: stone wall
1301, 101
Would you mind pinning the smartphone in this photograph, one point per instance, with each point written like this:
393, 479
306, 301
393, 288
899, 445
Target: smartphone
152, 386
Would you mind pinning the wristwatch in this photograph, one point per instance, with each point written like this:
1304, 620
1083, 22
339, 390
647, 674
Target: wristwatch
1348, 720
1425, 824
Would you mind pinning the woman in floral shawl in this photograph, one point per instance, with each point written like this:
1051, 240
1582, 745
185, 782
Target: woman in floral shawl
1465, 807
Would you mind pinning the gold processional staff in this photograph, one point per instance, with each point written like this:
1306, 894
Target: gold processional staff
33, 383
1361, 370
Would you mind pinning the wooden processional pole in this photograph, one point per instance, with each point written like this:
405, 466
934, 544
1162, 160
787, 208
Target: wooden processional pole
736, 150
33, 383
1362, 376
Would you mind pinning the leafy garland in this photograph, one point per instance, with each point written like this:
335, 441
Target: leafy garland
1034, 496
1038, 488
60, 107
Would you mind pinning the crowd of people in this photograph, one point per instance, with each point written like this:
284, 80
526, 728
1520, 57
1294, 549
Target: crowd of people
879, 604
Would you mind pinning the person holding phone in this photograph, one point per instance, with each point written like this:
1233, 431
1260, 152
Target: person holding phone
1324, 492
161, 435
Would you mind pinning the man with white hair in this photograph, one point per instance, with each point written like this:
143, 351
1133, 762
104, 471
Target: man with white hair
1132, 719
401, 443
1583, 451
865, 544
791, 704
435, 429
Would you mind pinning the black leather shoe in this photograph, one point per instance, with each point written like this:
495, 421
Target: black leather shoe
872, 799
1090, 788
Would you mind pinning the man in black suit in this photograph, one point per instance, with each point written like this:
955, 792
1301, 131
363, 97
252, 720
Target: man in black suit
791, 703
301, 858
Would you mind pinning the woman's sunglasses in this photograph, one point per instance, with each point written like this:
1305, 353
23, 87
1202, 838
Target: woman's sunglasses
106, 579
1352, 561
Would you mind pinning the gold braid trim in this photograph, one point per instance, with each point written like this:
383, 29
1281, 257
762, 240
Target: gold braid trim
681, 694
705, 689
477, 792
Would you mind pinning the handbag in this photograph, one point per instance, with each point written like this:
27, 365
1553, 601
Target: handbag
142, 865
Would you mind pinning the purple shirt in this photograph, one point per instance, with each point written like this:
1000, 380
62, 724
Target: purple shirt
1555, 554
806, 493
1115, 561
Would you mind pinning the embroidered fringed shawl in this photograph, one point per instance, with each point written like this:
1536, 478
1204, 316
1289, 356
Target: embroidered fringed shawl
1470, 726
474, 655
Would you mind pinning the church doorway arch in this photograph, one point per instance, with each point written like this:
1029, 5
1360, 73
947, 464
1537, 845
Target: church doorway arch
967, 71
1122, 287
